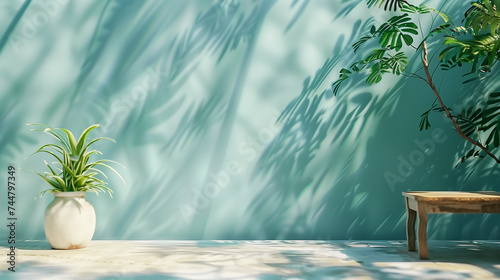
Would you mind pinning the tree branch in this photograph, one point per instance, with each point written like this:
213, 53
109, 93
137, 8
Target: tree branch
448, 114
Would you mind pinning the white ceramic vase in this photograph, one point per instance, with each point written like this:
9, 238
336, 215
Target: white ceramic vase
69, 221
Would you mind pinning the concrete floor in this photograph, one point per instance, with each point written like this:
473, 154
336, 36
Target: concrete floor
254, 260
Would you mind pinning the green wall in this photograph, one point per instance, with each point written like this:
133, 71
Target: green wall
192, 91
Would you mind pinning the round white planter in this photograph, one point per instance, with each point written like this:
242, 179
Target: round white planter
69, 221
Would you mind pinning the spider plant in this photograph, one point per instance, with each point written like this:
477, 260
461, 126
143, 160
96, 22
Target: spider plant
75, 171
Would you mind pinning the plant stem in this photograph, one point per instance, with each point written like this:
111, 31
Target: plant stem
448, 114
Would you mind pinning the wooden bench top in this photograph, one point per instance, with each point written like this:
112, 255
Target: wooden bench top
421, 203
453, 196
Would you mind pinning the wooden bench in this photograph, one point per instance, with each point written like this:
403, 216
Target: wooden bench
422, 203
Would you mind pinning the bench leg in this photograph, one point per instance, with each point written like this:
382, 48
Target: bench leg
422, 230
411, 216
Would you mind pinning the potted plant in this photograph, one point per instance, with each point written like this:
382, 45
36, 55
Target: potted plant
476, 43
70, 219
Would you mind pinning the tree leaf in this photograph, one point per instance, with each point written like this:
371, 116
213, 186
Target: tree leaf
395, 30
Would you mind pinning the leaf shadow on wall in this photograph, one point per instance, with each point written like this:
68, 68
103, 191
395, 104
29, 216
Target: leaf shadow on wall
370, 135
165, 116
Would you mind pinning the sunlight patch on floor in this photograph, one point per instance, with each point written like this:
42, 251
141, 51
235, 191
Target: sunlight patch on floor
274, 259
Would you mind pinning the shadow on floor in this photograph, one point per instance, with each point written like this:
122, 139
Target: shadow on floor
275, 259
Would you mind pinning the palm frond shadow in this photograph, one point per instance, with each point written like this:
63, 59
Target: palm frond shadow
298, 14
109, 70
348, 7
156, 118
12, 126
96, 47
303, 118
14, 22
197, 121
305, 127
344, 208
162, 198
176, 61
211, 33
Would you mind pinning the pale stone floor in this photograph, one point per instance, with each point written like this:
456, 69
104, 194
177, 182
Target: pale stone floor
254, 260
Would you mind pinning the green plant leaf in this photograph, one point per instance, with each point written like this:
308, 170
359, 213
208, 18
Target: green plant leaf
470, 51
376, 54
344, 75
481, 15
445, 17
60, 182
101, 162
71, 141
422, 9
98, 139
52, 154
424, 122
50, 168
361, 41
397, 63
83, 137
388, 4
76, 173
53, 183
396, 30
424, 118
99, 171
376, 72
469, 121
54, 133
490, 123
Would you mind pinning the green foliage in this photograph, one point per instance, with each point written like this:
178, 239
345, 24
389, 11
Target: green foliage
388, 4
376, 72
396, 30
392, 35
76, 172
422, 9
424, 121
469, 120
490, 122
440, 29
483, 14
397, 62
405, 6
482, 121
424, 118
477, 43
475, 121
364, 39
461, 51
344, 75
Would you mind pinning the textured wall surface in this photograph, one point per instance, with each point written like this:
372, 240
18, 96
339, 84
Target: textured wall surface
225, 120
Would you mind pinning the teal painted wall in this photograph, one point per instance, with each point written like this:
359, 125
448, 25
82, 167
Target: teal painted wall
192, 90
